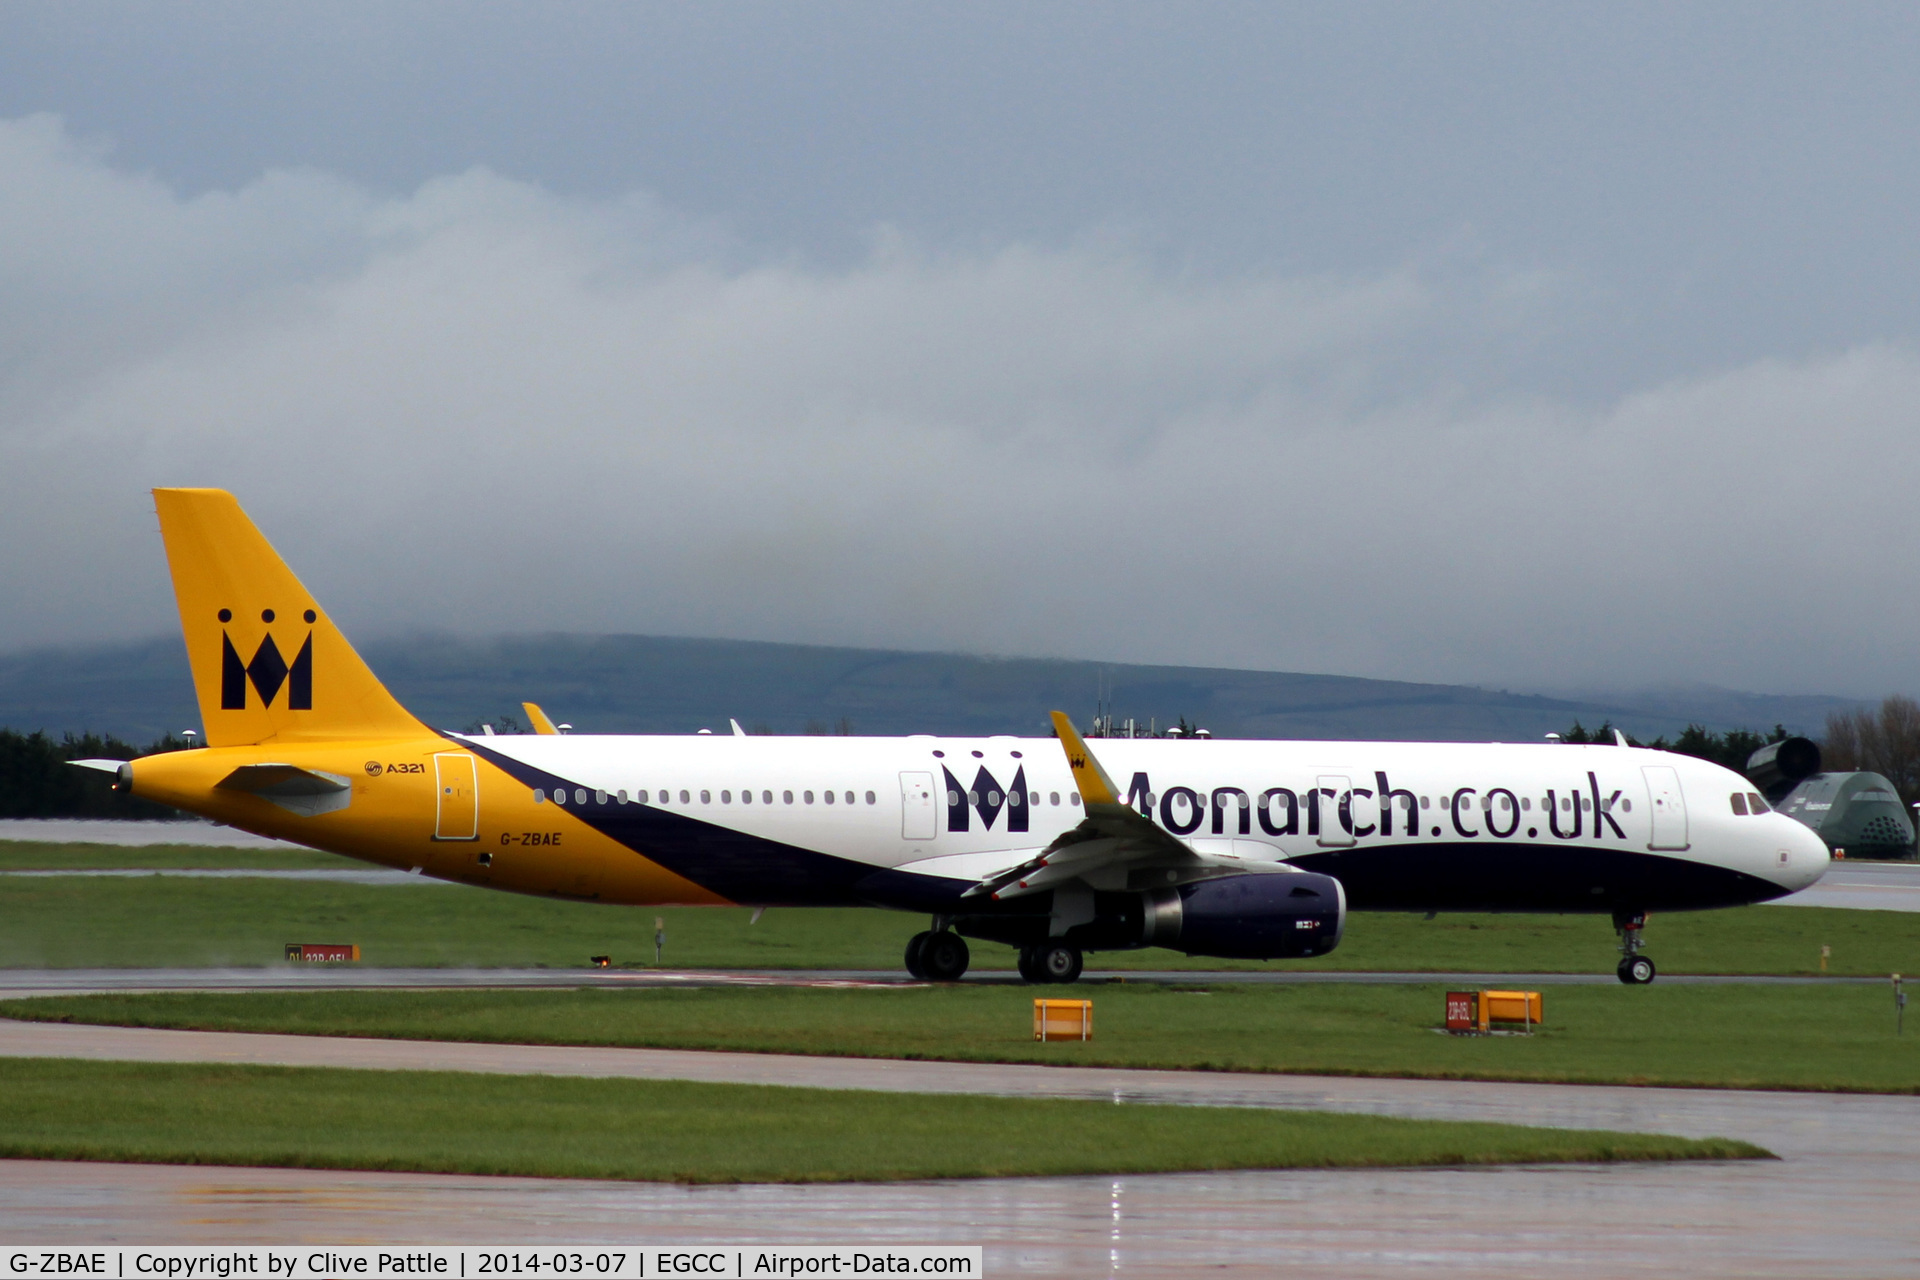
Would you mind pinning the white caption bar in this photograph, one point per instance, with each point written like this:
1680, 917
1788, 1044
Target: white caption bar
494, 1262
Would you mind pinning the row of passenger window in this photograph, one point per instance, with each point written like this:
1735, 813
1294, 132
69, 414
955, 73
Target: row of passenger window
1033, 797
582, 796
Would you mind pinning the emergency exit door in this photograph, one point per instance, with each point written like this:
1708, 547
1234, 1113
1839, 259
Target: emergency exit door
918, 814
457, 814
1668, 806
1334, 792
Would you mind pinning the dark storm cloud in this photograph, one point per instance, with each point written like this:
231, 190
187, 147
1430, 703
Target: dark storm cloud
1712, 184
1513, 344
486, 407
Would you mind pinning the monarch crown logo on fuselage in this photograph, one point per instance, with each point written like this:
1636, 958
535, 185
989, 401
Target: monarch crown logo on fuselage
986, 799
267, 671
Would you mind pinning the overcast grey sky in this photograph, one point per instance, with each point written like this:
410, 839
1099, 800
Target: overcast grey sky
1523, 345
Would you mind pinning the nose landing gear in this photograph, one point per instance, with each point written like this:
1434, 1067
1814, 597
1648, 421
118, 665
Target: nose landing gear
1634, 969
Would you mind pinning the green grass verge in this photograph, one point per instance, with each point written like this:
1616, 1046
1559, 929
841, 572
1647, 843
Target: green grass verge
1820, 1038
544, 1126
96, 922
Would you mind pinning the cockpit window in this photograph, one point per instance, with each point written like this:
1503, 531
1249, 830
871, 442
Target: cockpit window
1739, 804
1756, 804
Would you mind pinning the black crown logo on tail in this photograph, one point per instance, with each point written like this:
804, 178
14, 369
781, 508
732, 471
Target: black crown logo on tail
267, 672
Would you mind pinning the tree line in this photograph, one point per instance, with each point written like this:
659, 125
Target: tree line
1730, 748
37, 782
1883, 740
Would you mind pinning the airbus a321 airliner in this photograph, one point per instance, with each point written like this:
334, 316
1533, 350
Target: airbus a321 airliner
1210, 847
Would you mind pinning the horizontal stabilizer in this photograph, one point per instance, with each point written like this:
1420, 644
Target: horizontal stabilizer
307, 792
104, 766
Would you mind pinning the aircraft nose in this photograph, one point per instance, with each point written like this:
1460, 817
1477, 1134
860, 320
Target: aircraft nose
1801, 855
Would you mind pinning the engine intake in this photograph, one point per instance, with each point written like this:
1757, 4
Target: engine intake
1779, 767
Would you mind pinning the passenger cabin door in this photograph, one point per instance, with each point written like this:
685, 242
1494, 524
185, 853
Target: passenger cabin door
1667, 805
918, 813
457, 813
1326, 804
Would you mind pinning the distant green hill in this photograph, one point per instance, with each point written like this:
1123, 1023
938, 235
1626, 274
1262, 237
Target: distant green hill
653, 684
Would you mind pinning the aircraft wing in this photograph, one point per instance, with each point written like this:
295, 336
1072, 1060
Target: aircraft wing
538, 718
1114, 847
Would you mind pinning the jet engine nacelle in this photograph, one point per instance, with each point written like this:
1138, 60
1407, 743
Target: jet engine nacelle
1779, 767
1271, 916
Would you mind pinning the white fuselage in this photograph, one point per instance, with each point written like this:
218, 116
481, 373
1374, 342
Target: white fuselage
1459, 826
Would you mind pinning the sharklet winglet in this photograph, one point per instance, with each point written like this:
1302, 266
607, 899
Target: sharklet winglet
1095, 786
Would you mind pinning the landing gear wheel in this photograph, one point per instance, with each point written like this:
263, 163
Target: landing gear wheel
1030, 962
917, 944
1029, 968
1056, 962
1637, 971
944, 957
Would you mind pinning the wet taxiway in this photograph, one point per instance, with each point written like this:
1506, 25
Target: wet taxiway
1867, 886
19, 983
1838, 1202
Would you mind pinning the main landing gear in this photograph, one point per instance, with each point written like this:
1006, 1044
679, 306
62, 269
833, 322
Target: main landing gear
1635, 969
937, 956
1050, 961
941, 955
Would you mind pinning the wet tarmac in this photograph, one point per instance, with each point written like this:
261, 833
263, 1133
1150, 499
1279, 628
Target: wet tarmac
1840, 1202
1843, 1201
1868, 886
21, 983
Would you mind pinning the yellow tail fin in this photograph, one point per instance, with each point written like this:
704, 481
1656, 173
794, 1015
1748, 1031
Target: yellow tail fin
267, 663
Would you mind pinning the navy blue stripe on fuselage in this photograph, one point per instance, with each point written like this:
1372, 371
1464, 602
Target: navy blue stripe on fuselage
735, 864
1527, 876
